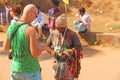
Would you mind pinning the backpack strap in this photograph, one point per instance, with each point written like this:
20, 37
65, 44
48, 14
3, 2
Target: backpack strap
13, 34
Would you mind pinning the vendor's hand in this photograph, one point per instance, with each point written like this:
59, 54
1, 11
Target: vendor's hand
68, 52
65, 54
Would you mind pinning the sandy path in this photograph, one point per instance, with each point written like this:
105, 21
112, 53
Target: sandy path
99, 63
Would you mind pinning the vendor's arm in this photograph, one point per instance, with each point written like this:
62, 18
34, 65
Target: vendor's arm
77, 45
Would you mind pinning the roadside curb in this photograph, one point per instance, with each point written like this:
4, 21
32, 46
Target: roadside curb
100, 38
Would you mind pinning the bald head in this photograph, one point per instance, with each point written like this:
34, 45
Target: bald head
29, 8
29, 13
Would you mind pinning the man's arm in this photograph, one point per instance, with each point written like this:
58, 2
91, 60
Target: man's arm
34, 47
50, 50
6, 44
49, 43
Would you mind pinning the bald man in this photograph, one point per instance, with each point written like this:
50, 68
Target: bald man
25, 48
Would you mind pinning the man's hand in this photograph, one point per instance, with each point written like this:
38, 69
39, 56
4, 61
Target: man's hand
49, 50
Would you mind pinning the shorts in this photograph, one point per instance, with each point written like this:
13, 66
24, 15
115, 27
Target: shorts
26, 76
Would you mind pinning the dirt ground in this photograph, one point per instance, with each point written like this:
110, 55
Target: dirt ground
99, 63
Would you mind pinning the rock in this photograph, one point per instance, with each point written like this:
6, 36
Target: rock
99, 38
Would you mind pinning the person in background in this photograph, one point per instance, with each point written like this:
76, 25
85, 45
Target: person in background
15, 12
7, 13
2, 15
25, 47
21, 5
39, 22
67, 48
85, 18
80, 26
53, 13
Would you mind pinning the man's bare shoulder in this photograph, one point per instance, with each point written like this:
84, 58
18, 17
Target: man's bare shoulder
30, 30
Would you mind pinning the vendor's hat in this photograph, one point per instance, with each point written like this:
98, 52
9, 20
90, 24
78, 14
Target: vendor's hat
61, 21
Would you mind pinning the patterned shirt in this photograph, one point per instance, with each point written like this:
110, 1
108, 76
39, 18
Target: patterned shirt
60, 42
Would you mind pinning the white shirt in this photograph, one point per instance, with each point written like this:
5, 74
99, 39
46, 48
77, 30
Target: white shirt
40, 20
51, 12
15, 19
7, 14
86, 19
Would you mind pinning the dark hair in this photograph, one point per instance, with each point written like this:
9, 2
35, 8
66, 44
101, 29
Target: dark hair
21, 3
82, 9
16, 9
38, 7
6, 3
56, 2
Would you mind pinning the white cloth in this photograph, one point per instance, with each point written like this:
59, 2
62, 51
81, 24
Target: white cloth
14, 19
80, 26
7, 14
86, 19
51, 12
40, 20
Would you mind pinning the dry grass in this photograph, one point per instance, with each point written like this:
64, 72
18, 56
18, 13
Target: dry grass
109, 19
101, 23
104, 13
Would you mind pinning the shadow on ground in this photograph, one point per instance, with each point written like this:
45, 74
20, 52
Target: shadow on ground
45, 56
88, 51
91, 51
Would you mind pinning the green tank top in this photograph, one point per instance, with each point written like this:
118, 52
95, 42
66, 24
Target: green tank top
22, 61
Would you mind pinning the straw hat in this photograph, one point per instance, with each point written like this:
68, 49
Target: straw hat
61, 21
